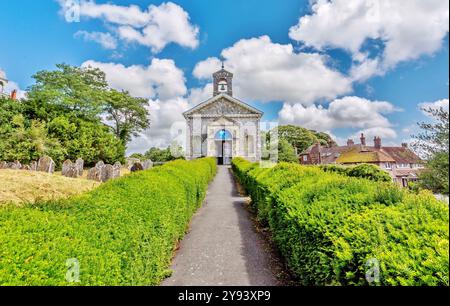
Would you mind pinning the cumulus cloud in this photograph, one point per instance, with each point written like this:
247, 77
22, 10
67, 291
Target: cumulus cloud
267, 71
161, 79
154, 27
163, 83
434, 105
106, 40
347, 112
406, 29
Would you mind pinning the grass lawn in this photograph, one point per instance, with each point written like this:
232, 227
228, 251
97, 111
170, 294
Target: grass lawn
18, 186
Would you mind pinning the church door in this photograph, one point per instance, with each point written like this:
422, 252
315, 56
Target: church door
224, 147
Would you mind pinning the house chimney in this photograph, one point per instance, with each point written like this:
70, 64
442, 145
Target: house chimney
14, 95
404, 145
363, 139
377, 142
350, 142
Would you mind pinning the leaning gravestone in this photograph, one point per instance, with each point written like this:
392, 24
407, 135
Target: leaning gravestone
137, 167
147, 164
79, 163
46, 164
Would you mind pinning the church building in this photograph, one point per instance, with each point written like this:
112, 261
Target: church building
223, 126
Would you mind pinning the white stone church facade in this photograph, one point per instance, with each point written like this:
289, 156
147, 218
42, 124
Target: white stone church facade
223, 126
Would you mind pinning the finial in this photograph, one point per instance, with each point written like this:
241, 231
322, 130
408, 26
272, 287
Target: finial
223, 65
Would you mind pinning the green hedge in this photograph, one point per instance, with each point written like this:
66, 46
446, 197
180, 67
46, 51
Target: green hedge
329, 226
122, 233
368, 171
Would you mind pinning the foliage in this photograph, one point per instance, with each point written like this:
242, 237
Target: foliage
433, 142
62, 117
286, 152
301, 138
164, 155
122, 233
128, 115
367, 171
329, 226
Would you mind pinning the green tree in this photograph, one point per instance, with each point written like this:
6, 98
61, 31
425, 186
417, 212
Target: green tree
73, 90
433, 143
128, 115
286, 152
301, 138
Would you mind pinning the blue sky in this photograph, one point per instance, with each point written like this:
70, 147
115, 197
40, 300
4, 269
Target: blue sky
329, 70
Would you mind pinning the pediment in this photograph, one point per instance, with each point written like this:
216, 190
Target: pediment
223, 105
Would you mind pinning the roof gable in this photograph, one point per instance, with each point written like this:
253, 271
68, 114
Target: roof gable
223, 105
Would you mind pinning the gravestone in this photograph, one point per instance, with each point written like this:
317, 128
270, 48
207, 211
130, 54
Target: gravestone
26, 167
137, 167
46, 164
100, 164
80, 166
117, 167
95, 174
33, 165
69, 169
3, 165
107, 173
66, 166
147, 164
16, 165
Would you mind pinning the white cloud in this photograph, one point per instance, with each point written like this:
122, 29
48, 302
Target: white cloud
268, 71
155, 27
435, 105
347, 112
407, 29
161, 79
106, 40
167, 23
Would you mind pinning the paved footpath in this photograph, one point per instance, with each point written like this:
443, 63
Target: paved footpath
222, 247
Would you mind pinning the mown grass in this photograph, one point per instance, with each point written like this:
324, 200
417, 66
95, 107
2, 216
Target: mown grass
122, 233
20, 187
335, 230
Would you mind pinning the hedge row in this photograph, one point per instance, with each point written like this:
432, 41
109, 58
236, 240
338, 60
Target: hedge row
333, 229
367, 171
122, 233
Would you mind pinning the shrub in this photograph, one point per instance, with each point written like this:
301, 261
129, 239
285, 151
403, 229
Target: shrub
122, 233
329, 226
367, 171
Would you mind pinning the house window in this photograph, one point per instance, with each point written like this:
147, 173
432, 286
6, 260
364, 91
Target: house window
387, 165
305, 158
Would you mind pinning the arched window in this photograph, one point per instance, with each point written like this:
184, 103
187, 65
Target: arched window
223, 135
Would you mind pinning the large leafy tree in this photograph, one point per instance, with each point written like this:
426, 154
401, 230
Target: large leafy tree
433, 143
127, 115
301, 138
72, 90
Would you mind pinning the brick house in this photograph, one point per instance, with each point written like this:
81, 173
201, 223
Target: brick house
402, 164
